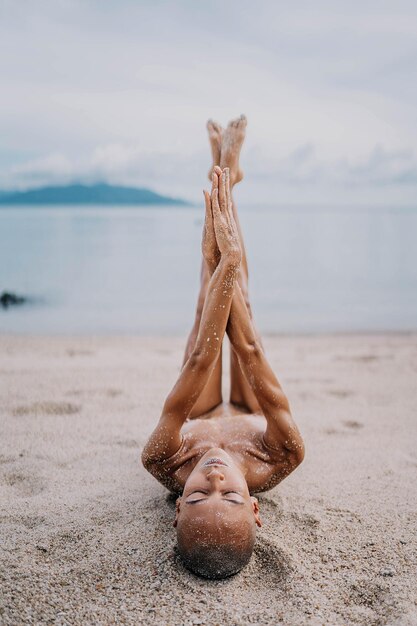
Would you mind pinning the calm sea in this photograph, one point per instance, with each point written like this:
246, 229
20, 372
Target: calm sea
136, 270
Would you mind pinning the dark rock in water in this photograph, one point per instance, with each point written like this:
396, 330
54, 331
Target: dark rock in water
10, 299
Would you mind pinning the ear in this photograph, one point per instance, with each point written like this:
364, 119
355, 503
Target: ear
177, 511
255, 506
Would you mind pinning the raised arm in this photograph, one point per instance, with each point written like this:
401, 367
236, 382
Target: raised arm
282, 434
166, 439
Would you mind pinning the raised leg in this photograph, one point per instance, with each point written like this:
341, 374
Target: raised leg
225, 147
215, 133
241, 392
232, 139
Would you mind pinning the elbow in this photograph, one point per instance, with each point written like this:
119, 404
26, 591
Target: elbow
145, 459
299, 453
295, 450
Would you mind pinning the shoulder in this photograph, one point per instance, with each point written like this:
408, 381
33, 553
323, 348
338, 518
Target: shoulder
164, 468
155, 459
164, 442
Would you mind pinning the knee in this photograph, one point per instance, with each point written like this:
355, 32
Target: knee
201, 360
252, 348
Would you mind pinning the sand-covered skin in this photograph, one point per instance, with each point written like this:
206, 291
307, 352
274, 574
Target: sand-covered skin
87, 534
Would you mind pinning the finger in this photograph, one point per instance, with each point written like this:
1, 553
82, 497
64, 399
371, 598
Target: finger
218, 170
231, 215
207, 201
222, 193
214, 182
215, 204
227, 174
229, 211
209, 216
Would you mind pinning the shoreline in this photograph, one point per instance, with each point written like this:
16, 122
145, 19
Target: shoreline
178, 335
88, 533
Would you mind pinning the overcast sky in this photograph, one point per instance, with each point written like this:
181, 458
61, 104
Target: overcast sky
120, 91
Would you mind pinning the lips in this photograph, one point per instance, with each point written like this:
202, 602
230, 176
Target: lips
214, 461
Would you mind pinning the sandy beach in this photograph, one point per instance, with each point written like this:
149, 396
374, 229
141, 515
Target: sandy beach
87, 534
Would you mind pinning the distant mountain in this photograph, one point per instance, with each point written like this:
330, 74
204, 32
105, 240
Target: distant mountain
87, 194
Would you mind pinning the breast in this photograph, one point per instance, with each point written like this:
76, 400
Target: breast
242, 437
220, 430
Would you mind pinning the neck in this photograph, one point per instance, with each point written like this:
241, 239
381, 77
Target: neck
226, 457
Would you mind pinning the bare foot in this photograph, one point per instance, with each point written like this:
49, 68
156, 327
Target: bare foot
231, 145
215, 133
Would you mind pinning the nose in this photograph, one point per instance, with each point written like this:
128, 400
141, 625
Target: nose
215, 474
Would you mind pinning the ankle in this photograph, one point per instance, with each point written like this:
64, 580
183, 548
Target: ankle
235, 177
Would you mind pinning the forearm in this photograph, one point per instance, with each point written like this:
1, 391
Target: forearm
240, 328
215, 309
252, 359
281, 431
197, 369
166, 438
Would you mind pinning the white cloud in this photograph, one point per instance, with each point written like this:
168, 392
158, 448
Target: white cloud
53, 167
121, 90
300, 176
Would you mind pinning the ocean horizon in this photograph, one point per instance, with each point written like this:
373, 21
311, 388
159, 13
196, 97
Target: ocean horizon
135, 270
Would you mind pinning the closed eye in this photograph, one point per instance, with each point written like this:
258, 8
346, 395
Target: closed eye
199, 492
205, 499
235, 501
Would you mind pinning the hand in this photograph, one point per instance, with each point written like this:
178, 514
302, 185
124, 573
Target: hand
210, 249
225, 229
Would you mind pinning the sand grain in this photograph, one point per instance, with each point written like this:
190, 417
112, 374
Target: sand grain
87, 535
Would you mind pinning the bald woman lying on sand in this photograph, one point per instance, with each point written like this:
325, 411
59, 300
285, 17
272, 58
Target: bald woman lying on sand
217, 454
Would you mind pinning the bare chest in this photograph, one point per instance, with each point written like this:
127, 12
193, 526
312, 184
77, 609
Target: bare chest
232, 433
241, 436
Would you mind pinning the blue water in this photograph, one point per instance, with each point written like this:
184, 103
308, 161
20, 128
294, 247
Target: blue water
136, 270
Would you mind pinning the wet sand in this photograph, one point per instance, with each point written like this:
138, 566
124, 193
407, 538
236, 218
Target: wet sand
86, 533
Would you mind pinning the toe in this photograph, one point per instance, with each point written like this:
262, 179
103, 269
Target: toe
217, 127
